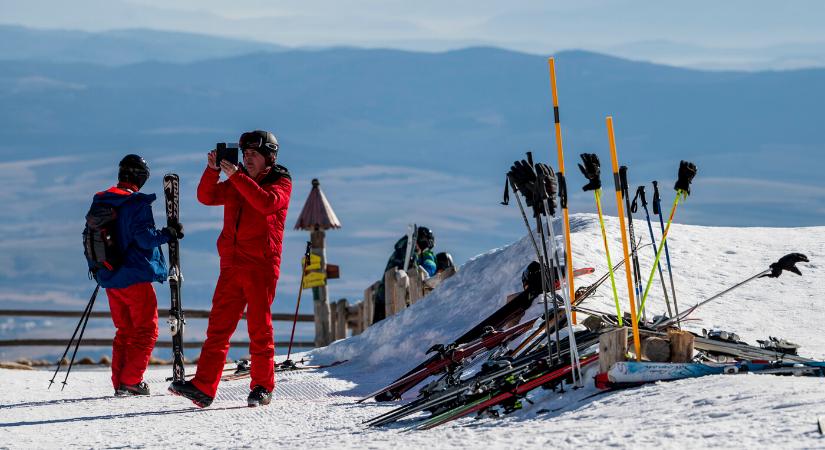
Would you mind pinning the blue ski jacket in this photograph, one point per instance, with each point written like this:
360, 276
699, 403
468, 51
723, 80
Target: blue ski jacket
427, 261
137, 237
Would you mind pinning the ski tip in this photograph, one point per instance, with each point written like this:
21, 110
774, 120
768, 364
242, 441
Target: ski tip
821, 424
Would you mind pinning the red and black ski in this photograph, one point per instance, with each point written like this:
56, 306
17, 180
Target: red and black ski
448, 357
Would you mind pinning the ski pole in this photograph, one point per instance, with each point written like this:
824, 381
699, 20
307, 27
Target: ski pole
568, 249
640, 195
513, 184
521, 174
786, 263
86, 312
298, 303
574, 355
627, 261
544, 172
506, 202
657, 210
637, 271
85, 321
539, 194
592, 171
687, 171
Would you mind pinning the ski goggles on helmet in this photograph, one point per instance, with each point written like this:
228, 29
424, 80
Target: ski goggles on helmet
256, 141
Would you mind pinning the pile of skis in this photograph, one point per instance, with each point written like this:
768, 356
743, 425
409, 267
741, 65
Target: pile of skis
491, 368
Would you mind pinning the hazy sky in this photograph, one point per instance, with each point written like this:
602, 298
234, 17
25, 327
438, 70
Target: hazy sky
683, 32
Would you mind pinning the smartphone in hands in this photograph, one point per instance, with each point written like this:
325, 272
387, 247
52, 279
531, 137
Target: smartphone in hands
226, 151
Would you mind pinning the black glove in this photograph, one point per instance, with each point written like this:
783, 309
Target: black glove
524, 178
548, 187
787, 262
591, 171
174, 231
687, 170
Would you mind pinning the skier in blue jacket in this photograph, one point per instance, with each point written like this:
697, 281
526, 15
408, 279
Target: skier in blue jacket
132, 298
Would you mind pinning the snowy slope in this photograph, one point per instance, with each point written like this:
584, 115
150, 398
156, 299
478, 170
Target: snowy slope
316, 409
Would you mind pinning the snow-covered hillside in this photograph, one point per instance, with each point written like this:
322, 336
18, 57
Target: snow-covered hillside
317, 409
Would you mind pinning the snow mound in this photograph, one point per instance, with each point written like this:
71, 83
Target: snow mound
705, 260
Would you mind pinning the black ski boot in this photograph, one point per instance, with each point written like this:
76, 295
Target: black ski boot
126, 390
188, 390
259, 397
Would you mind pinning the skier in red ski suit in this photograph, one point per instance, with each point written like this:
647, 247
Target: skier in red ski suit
132, 299
255, 200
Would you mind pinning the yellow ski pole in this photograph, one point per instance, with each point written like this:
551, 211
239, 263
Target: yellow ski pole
637, 344
592, 171
598, 194
687, 170
568, 249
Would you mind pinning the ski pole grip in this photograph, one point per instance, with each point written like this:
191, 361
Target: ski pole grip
657, 201
634, 206
506, 200
623, 179
307, 254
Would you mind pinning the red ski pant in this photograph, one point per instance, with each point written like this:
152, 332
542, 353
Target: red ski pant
135, 315
252, 288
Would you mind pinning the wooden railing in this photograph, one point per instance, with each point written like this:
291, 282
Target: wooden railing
93, 342
401, 290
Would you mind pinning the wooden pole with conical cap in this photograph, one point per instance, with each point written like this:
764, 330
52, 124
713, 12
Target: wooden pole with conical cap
316, 217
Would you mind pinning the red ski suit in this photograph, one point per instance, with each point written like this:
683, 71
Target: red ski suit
135, 315
250, 258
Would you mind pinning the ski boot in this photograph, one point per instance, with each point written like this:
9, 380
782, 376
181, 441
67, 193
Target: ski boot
188, 390
128, 390
259, 397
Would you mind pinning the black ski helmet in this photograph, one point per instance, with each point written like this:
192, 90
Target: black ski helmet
425, 238
443, 261
133, 169
531, 277
261, 141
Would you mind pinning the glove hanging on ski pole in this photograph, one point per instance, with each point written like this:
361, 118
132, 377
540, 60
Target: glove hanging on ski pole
687, 170
592, 171
525, 180
787, 262
546, 189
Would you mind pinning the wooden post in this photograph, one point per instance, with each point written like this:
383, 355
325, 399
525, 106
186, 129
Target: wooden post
341, 323
316, 216
389, 293
368, 308
612, 348
416, 275
323, 323
402, 291
396, 286
333, 321
354, 321
681, 346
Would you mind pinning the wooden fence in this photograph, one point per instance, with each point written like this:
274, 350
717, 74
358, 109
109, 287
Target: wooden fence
190, 314
401, 290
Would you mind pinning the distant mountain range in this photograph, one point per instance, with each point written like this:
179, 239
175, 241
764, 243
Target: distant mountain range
395, 137
118, 47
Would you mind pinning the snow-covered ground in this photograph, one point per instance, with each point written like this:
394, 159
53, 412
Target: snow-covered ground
316, 408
